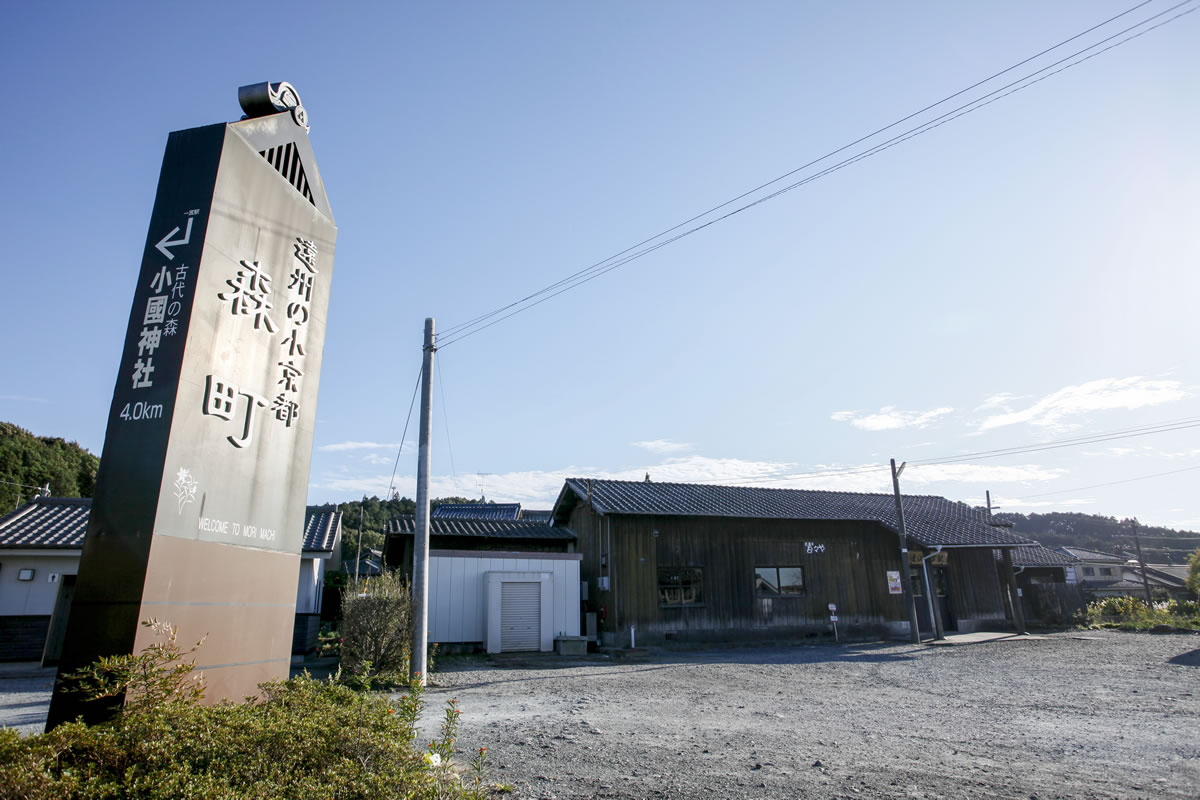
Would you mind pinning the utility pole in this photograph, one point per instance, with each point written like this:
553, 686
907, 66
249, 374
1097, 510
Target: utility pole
1010, 574
905, 581
358, 557
417, 659
1141, 561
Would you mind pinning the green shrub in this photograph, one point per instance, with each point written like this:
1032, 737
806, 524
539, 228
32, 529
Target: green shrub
1132, 613
377, 625
302, 739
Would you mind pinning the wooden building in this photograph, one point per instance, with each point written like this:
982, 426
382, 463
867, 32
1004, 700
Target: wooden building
721, 563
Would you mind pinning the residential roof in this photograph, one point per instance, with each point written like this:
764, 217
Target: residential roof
1155, 575
930, 521
47, 522
477, 511
321, 525
492, 528
1038, 556
1093, 555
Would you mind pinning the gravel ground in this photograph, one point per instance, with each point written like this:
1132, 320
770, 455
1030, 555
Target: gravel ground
1069, 715
25, 699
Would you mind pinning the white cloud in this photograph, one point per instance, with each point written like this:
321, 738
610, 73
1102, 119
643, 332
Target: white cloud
663, 446
889, 418
343, 446
376, 458
1110, 451
980, 473
1012, 505
1001, 400
1105, 394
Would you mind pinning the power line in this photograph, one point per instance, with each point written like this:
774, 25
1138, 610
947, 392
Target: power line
454, 328
1125, 433
458, 332
446, 424
404, 435
1098, 485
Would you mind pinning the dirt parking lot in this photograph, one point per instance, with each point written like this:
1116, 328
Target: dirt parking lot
1068, 715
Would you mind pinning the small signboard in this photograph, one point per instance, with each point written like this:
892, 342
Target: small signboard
833, 606
833, 618
894, 585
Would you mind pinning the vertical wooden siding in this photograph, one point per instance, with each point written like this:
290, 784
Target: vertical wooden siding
847, 566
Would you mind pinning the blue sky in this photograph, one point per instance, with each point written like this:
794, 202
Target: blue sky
1026, 273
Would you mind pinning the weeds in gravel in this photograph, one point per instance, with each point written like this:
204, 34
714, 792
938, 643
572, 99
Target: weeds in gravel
1131, 613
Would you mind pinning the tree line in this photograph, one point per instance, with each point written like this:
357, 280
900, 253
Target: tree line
29, 462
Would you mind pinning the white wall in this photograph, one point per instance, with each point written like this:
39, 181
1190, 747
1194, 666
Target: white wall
458, 596
309, 586
35, 597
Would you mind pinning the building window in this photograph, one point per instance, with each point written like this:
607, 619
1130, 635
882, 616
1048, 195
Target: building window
1106, 570
680, 586
779, 581
1090, 571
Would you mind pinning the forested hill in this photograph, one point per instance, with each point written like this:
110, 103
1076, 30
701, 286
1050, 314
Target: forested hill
33, 461
1106, 534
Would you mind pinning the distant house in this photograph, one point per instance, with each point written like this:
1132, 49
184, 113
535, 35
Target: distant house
498, 584
1046, 594
1110, 575
701, 562
1094, 569
321, 555
40, 547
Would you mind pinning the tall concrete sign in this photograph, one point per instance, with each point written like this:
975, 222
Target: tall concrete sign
198, 510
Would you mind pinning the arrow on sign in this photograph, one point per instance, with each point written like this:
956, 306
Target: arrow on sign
167, 242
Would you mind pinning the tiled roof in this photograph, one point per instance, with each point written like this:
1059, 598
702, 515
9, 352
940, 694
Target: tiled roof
47, 522
477, 511
1038, 556
1092, 555
930, 521
537, 514
321, 524
493, 528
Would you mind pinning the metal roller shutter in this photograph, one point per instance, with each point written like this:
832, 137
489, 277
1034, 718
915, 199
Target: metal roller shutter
520, 616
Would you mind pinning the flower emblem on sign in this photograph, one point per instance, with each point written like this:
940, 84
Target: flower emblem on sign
185, 487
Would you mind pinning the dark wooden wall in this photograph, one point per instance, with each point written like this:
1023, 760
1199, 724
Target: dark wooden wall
848, 566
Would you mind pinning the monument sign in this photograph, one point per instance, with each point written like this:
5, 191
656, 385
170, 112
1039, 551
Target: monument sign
198, 510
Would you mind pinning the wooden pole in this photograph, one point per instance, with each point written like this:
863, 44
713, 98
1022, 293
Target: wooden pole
1141, 562
910, 602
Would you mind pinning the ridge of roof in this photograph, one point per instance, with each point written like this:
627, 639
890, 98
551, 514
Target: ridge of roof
499, 528
930, 520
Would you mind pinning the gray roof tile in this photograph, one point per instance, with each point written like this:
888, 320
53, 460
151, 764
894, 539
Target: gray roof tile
493, 528
1093, 555
1038, 556
477, 511
321, 524
47, 522
929, 520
